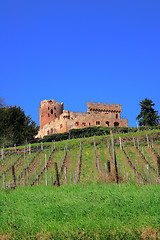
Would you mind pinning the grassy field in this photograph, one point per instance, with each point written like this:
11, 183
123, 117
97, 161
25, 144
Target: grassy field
90, 211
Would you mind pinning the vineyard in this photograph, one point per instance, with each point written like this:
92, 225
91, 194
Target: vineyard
120, 158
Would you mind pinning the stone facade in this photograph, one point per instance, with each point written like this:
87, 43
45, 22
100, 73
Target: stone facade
54, 119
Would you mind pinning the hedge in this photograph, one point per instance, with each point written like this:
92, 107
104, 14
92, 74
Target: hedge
93, 131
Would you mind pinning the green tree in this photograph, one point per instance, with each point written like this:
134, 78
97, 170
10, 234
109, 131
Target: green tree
15, 126
148, 116
1, 102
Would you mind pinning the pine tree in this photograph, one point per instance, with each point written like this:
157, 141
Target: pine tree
148, 116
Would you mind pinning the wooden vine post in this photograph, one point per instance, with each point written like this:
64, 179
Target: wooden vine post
97, 160
80, 163
65, 176
147, 140
2, 157
57, 174
114, 159
107, 168
133, 141
24, 177
46, 168
13, 177
120, 142
4, 180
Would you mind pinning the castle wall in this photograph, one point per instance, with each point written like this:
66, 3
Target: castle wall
72, 120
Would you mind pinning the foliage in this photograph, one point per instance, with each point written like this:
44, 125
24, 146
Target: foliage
93, 131
1, 102
55, 137
148, 116
15, 126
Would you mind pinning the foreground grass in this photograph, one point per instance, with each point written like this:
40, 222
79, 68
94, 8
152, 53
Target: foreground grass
91, 211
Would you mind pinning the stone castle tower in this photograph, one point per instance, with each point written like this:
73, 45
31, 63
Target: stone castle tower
54, 119
49, 111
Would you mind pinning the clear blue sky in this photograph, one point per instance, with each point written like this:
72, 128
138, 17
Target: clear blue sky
74, 51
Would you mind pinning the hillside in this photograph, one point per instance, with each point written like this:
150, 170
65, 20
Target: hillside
84, 160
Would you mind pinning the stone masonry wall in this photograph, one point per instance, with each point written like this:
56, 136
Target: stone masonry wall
97, 115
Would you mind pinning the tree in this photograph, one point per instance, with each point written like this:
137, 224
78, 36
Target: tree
15, 126
148, 116
1, 102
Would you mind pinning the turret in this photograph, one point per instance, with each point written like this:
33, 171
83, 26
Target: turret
49, 110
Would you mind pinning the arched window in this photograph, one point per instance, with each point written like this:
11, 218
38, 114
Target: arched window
54, 108
48, 115
97, 122
51, 130
51, 111
48, 132
76, 123
89, 124
55, 115
83, 124
107, 123
116, 116
116, 124
61, 125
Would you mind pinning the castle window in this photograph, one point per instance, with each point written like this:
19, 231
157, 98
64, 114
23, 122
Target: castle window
51, 130
89, 123
97, 122
83, 124
48, 132
116, 124
107, 123
48, 108
54, 108
51, 111
48, 115
61, 125
55, 115
116, 116
76, 123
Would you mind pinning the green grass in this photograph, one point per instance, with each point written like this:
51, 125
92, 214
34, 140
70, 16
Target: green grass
91, 211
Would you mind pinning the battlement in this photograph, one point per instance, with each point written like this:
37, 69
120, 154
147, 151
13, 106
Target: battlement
51, 102
103, 107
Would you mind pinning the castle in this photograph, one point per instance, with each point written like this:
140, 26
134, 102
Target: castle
54, 119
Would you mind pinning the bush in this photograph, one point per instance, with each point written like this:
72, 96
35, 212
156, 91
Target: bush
56, 137
92, 131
